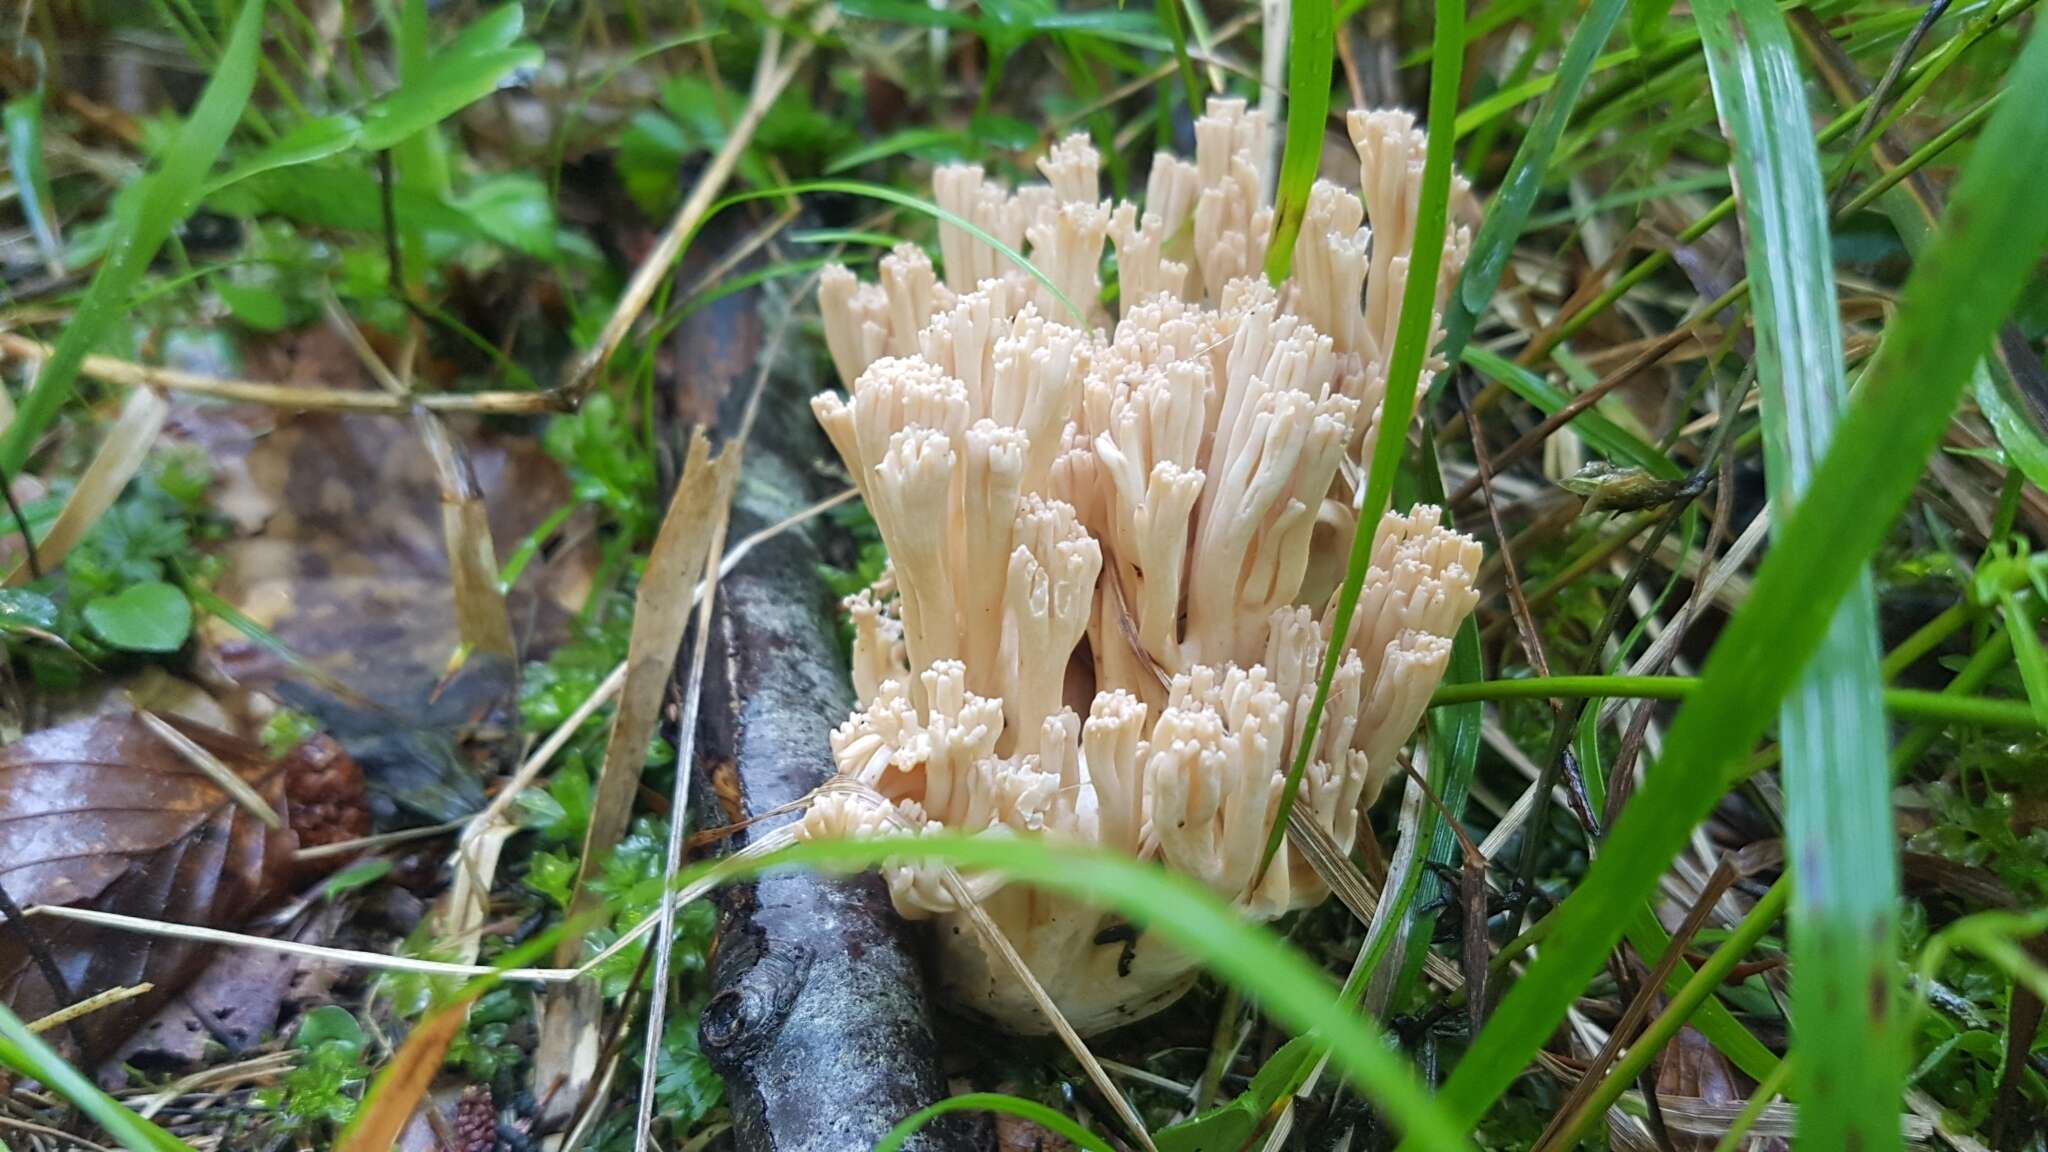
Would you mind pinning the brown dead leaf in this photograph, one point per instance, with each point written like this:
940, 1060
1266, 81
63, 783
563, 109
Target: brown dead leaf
234, 1004
105, 814
1693, 1070
351, 569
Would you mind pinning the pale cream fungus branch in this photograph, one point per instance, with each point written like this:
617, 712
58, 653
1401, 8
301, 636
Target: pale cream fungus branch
1114, 549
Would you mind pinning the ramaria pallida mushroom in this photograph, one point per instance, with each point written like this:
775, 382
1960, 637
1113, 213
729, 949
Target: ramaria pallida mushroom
1114, 548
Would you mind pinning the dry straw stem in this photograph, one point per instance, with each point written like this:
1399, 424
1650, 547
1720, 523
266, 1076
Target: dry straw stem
475, 858
89, 1005
565, 1061
537, 761
223, 776
770, 842
404, 1081
124, 373
120, 456
661, 612
772, 73
686, 758
65, 1139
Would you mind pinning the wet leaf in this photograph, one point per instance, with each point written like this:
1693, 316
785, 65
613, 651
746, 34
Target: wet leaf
104, 814
151, 617
465, 71
22, 609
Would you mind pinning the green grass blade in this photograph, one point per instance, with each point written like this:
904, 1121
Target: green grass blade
1960, 290
1509, 211
23, 116
900, 199
897, 143
144, 221
1290, 988
309, 141
1606, 437
2024, 447
1836, 772
1177, 31
1017, 1106
1454, 738
1311, 49
2027, 652
1692, 997
26, 1053
1404, 371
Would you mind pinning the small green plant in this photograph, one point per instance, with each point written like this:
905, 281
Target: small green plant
489, 1048
118, 596
321, 1092
608, 464
631, 887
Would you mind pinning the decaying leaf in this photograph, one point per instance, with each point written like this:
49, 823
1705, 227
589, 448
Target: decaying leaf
105, 814
350, 570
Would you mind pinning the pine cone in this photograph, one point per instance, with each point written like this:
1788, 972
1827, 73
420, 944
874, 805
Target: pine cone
330, 800
476, 1122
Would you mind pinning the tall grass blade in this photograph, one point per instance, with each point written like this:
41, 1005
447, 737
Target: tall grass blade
1960, 290
1509, 211
1311, 50
900, 199
1454, 737
26, 1053
1290, 988
23, 118
1404, 373
1608, 438
142, 223
1836, 774
1177, 31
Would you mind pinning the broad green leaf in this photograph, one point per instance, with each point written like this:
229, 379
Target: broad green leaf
1960, 290
1832, 734
496, 30
151, 617
2024, 447
1311, 48
142, 223
256, 306
514, 209
21, 608
308, 141
329, 1024
466, 70
1230, 1125
344, 196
